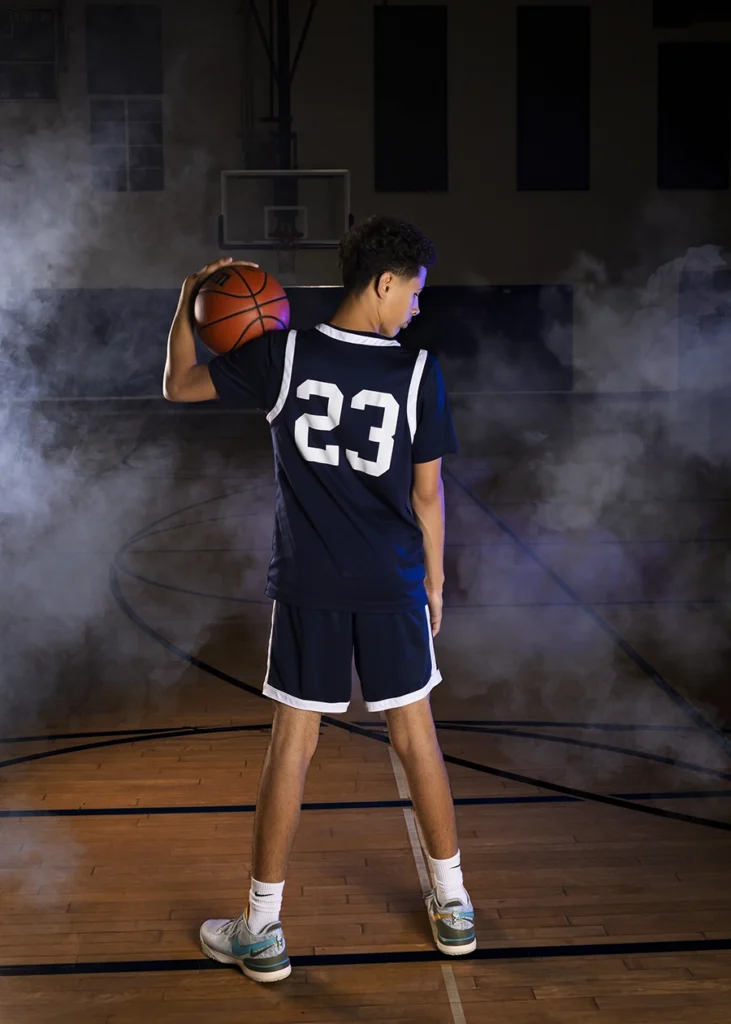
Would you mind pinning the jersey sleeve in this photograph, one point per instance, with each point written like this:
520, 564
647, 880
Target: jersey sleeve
250, 377
434, 436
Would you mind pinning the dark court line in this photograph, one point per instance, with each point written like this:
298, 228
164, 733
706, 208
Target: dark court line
345, 805
118, 742
507, 723
554, 787
714, 734
418, 956
370, 734
191, 659
521, 724
151, 734
570, 741
512, 723
191, 731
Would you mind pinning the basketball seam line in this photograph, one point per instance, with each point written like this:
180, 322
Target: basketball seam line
240, 339
251, 290
240, 312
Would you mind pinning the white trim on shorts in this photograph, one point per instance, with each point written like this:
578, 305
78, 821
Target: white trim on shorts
411, 698
407, 698
286, 377
269, 648
286, 698
379, 705
303, 705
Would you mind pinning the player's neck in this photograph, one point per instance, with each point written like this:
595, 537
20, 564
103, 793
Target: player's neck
353, 314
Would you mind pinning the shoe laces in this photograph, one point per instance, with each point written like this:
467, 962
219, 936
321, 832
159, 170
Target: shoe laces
230, 927
456, 914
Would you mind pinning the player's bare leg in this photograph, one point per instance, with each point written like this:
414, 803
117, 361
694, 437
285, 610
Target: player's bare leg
254, 941
294, 740
414, 738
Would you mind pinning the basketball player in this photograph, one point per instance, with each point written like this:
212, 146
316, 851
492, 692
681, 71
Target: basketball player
359, 427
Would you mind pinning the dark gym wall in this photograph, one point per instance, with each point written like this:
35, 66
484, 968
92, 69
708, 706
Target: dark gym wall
509, 205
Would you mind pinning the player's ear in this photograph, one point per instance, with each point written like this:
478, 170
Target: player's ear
383, 284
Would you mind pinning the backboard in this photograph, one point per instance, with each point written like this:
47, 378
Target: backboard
268, 209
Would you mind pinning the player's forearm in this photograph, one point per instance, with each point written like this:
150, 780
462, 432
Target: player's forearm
181, 357
429, 513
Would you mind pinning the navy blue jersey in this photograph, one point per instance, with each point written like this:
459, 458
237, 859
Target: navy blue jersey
349, 413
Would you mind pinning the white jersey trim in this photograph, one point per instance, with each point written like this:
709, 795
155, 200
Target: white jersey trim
356, 339
416, 376
286, 377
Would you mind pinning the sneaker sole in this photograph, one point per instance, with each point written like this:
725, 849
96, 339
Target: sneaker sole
461, 950
260, 976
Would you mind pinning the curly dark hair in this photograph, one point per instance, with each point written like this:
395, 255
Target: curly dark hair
378, 245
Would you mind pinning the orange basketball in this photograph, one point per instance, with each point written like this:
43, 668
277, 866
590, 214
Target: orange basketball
236, 304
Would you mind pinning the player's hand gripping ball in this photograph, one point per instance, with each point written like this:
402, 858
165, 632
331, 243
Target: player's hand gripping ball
238, 302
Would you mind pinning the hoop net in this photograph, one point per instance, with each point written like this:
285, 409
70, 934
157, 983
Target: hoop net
286, 253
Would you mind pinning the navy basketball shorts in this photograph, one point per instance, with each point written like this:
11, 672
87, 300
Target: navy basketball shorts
311, 653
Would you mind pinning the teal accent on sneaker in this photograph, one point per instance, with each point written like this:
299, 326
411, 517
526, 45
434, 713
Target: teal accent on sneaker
452, 925
261, 956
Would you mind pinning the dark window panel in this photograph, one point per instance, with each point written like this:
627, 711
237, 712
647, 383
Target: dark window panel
144, 134
141, 157
108, 110
109, 157
147, 180
694, 116
554, 98
124, 49
684, 13
28, 82
410, 98
108, 133
28, 35
149, 109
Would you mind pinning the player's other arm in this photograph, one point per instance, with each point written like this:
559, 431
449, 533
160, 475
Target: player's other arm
427, 501
184, 379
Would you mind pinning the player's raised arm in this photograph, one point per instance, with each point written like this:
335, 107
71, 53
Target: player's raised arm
185, 380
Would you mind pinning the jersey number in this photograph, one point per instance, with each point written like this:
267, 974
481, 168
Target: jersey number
330, 454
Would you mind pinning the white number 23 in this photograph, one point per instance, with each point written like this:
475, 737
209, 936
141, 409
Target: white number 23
330, 454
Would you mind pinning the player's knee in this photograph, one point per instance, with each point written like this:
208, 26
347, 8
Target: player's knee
295, 732
410, 727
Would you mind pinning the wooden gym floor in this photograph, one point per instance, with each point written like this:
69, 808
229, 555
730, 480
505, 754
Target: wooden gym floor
585, 657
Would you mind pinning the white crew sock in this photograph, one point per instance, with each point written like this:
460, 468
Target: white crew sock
447, 875
265, 904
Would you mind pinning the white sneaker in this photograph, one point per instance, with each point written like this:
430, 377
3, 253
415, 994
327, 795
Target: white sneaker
262, 957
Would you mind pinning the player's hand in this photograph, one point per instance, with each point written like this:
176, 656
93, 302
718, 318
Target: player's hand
434, 597
194, 281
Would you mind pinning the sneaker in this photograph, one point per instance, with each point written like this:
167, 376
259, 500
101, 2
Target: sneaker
262, 957
453, 926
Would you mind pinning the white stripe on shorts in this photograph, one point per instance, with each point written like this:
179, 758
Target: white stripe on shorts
286, 698
303, 705
269, 649
411, 698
